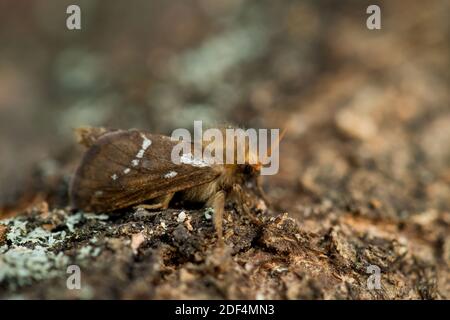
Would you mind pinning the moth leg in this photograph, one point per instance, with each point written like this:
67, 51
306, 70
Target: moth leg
149, 206
166, 200
261, 191
162, 203
242, 206
217, 202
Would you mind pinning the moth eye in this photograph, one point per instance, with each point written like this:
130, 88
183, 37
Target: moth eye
248, 170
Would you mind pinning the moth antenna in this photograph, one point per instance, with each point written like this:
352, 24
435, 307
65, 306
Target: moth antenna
283, 132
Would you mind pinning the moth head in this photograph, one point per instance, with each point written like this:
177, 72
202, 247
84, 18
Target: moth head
253, 164
251, 168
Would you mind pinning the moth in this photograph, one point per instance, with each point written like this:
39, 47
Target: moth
125, 168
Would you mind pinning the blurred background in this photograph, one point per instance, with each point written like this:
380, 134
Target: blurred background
367, 111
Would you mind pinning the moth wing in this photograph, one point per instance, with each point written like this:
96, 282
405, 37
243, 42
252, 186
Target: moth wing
125, 168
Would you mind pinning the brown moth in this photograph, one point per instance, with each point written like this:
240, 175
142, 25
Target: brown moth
124, 168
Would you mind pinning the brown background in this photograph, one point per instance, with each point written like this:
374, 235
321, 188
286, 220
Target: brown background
367, 151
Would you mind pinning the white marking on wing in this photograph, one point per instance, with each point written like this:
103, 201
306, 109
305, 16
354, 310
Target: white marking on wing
146, 142
170, 174
188, 158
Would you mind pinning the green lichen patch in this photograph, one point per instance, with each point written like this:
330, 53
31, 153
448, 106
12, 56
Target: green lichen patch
21, 265
41, 245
